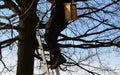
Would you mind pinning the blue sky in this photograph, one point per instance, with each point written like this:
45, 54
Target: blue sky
109, 56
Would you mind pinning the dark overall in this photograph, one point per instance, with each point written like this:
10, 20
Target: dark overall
54, 26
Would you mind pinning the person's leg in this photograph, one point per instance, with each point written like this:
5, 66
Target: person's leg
51, 40
59, 59
54, 26
51, 36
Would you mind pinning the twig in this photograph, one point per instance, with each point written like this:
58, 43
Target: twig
75, 63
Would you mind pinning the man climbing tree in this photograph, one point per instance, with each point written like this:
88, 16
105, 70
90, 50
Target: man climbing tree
88, 43
54, 26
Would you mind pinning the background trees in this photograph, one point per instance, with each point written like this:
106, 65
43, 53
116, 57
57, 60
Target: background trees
85, 42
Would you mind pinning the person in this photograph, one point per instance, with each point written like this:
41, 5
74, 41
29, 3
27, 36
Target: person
54, 26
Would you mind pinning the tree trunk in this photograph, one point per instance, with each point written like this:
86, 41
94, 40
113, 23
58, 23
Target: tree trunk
27, 41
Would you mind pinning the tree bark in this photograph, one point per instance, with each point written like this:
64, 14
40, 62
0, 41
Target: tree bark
27, 41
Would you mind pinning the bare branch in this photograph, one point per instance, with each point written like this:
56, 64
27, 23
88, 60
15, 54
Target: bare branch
77, 64
8, 42
7, 26
100, 9
103, 22
12, 6
4, 65
2, 6
8, 17
86, 46
77, 38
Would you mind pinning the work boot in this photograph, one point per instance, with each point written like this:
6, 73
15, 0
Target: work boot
58, 61
52, 61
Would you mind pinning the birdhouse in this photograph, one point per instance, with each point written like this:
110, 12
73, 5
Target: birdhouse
70, 11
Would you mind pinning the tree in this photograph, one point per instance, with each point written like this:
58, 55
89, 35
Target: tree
97, 26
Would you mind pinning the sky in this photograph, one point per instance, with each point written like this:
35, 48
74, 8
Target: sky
109, 56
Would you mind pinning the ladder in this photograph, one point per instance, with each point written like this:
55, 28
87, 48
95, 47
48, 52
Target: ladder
43, 54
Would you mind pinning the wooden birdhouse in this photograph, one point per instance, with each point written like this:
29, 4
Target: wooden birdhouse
70, 11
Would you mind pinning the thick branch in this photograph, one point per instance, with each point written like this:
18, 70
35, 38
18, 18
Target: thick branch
84, 46
77, 38
12, 6
8, 17
8, 42
7, 26
2, 6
